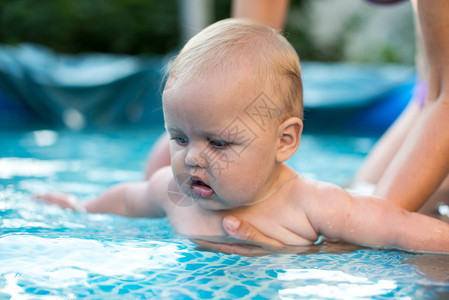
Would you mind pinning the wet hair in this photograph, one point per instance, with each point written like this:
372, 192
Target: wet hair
227, 45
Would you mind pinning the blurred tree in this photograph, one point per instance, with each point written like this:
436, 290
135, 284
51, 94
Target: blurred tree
115, 26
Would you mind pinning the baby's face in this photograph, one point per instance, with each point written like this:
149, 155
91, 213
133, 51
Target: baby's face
223, 140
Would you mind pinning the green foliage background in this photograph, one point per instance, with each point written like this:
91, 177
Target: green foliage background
73, 26
113, 26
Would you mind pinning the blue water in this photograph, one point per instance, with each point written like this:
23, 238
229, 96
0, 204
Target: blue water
47, 252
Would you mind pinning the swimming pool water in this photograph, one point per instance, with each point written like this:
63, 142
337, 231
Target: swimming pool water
50, 253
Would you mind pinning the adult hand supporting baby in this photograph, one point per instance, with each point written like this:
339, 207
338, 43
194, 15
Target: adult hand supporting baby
254, 243
242, 230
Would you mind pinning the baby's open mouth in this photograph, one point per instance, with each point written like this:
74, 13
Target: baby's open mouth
201, 189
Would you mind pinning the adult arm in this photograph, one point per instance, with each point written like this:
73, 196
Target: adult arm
268, 12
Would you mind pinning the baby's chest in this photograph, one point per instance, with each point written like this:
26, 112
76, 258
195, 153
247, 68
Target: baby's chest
196, 223
289, 226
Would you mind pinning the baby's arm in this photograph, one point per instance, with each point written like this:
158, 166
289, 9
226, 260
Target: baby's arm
131, 199
136, 199
373, 221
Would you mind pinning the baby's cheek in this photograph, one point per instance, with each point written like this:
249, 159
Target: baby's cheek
178, 167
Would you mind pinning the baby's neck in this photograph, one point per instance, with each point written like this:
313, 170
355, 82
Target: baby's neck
273, 190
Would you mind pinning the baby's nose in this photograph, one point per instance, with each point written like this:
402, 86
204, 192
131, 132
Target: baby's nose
196, 157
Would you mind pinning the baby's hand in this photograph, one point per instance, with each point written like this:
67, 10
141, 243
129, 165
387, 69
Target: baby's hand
62, 199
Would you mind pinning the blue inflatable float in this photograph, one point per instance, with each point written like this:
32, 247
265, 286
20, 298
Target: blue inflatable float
358, 97
77, 91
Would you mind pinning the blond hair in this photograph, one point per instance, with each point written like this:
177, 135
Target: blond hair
232, 43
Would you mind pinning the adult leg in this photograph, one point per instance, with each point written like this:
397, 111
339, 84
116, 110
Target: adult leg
388, 145
422, 162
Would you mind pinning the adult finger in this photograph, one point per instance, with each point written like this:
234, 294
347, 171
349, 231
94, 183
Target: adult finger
245, 250
242, 230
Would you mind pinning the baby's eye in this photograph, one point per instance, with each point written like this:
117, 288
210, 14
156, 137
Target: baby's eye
220, 144
182, 141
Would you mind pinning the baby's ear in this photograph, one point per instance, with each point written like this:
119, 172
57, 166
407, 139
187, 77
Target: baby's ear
289, 135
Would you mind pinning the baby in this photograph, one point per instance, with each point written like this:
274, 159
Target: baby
233, 110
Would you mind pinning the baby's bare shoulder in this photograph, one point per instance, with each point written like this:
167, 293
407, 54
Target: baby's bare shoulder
158, 185
314, 192
160, 180
326, 190
161, 174
324, 198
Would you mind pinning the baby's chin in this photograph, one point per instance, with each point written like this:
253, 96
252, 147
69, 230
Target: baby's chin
213, 204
